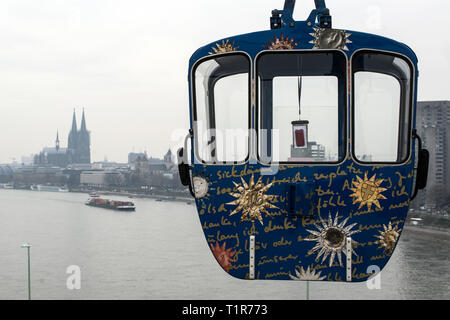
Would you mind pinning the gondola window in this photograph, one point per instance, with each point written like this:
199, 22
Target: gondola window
221, 109
382, 99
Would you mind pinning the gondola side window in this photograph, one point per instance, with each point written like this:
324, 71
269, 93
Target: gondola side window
221, 109
382, 107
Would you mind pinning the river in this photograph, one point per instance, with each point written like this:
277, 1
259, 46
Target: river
159, 252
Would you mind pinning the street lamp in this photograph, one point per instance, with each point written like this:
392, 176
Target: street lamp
28, 246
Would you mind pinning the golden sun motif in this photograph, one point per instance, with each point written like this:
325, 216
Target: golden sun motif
388, 238
367, 191
331, 239
252, 200
281, 43
226, 46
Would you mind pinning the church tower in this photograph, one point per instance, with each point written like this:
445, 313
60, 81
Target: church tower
57, 142
79, 142
168, 160
84, 143
73, 140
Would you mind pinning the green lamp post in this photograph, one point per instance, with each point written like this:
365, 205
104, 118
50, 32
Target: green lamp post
28, 246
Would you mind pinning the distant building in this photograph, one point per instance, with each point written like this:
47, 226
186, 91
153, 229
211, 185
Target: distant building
313, 152
6, 173
433, 126
110, 165
168, 161
78, 150
132, 156
157, 166
100, 178
141, 165
53, 157
27, 160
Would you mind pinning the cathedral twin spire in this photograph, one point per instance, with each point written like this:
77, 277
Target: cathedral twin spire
83, 123
74, 122
79, 141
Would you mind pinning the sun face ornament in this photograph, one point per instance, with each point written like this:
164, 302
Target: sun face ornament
388, 238
330, 39
367, 191
200, 186
331, 239
252, 200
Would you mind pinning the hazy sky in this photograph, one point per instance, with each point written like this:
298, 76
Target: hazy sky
125, 62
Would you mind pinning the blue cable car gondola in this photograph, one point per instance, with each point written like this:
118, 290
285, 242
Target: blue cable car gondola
303, 159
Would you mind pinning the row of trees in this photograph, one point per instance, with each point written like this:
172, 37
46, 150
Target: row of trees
130, 179
138, 180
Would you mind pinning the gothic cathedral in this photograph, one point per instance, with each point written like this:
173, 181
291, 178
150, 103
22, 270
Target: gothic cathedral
79, 142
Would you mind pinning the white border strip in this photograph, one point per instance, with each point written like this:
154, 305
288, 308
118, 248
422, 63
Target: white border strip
251, 265
349, 258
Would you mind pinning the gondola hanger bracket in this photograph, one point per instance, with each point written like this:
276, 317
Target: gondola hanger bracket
284, 18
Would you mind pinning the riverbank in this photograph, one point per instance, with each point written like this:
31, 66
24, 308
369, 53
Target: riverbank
428, 230
167, 197
431, 221
159, 194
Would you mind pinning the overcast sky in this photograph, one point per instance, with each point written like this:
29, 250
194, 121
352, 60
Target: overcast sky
125, 62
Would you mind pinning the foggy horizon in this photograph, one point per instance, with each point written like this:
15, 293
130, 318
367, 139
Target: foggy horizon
126, 64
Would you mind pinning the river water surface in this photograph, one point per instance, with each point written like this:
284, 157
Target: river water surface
159, 252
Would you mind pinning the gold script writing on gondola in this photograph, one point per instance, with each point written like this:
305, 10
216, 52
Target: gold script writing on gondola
274, 227
331, 176
400, 205
221, 237
329, 202
276, 274
223, 222
258, 245
276, 259
281, 242
320, 192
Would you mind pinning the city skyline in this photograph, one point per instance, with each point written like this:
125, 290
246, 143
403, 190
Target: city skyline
129, 71
75, 151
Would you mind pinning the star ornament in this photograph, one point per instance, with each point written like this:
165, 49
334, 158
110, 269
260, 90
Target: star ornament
331, 238
367, 191
308, 274
251, 200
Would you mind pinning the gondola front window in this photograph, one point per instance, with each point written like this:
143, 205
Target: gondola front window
221, 108
301, 106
